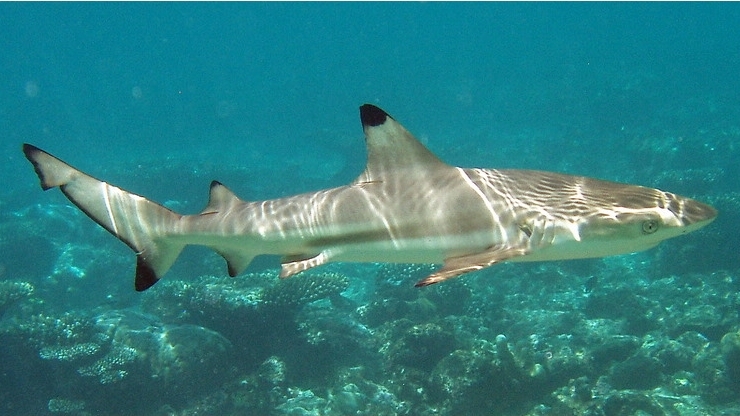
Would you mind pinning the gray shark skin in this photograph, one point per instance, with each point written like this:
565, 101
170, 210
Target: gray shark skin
407, 206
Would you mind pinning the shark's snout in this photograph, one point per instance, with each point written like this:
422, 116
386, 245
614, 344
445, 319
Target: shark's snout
690, 212
697, 212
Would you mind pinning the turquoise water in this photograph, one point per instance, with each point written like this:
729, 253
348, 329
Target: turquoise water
162, 98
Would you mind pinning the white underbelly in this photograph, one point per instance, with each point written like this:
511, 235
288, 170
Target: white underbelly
420, 250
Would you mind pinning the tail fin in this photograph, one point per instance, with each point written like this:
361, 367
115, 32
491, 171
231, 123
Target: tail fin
138, 222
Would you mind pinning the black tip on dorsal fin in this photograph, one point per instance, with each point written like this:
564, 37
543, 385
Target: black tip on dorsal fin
391, 148
372, 116
219, 199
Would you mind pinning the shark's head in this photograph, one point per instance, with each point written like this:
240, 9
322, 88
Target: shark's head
639, 218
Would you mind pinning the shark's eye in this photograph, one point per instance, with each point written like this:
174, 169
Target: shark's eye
649, 226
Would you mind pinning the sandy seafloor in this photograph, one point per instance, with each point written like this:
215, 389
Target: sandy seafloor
162, 98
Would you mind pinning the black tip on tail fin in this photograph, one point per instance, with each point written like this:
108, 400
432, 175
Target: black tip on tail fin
145, 275
372, 116
29, 150
143, 225
33, 154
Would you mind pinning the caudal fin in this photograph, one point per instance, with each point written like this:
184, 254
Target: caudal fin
142, 224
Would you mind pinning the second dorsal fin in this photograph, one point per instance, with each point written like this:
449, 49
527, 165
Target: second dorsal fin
220, 199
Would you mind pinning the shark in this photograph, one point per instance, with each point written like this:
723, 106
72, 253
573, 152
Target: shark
407, 206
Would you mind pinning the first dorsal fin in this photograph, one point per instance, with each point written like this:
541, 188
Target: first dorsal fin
220, 199
390, 147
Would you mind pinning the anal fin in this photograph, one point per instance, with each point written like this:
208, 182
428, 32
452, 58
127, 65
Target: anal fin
455, 266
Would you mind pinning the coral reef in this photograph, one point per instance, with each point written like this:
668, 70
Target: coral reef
117, 350
290, 294
298, 347
211, 299
12, 291
265, 346
65, 406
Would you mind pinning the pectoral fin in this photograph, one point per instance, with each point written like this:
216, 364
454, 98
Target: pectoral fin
455, 266
296, 264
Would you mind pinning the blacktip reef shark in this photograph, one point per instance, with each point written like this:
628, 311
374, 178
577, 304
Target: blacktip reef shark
408, 206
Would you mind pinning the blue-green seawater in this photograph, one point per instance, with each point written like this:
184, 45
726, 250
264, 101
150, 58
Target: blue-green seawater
162, 98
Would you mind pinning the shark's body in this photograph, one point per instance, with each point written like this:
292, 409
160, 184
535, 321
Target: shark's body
407, 206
